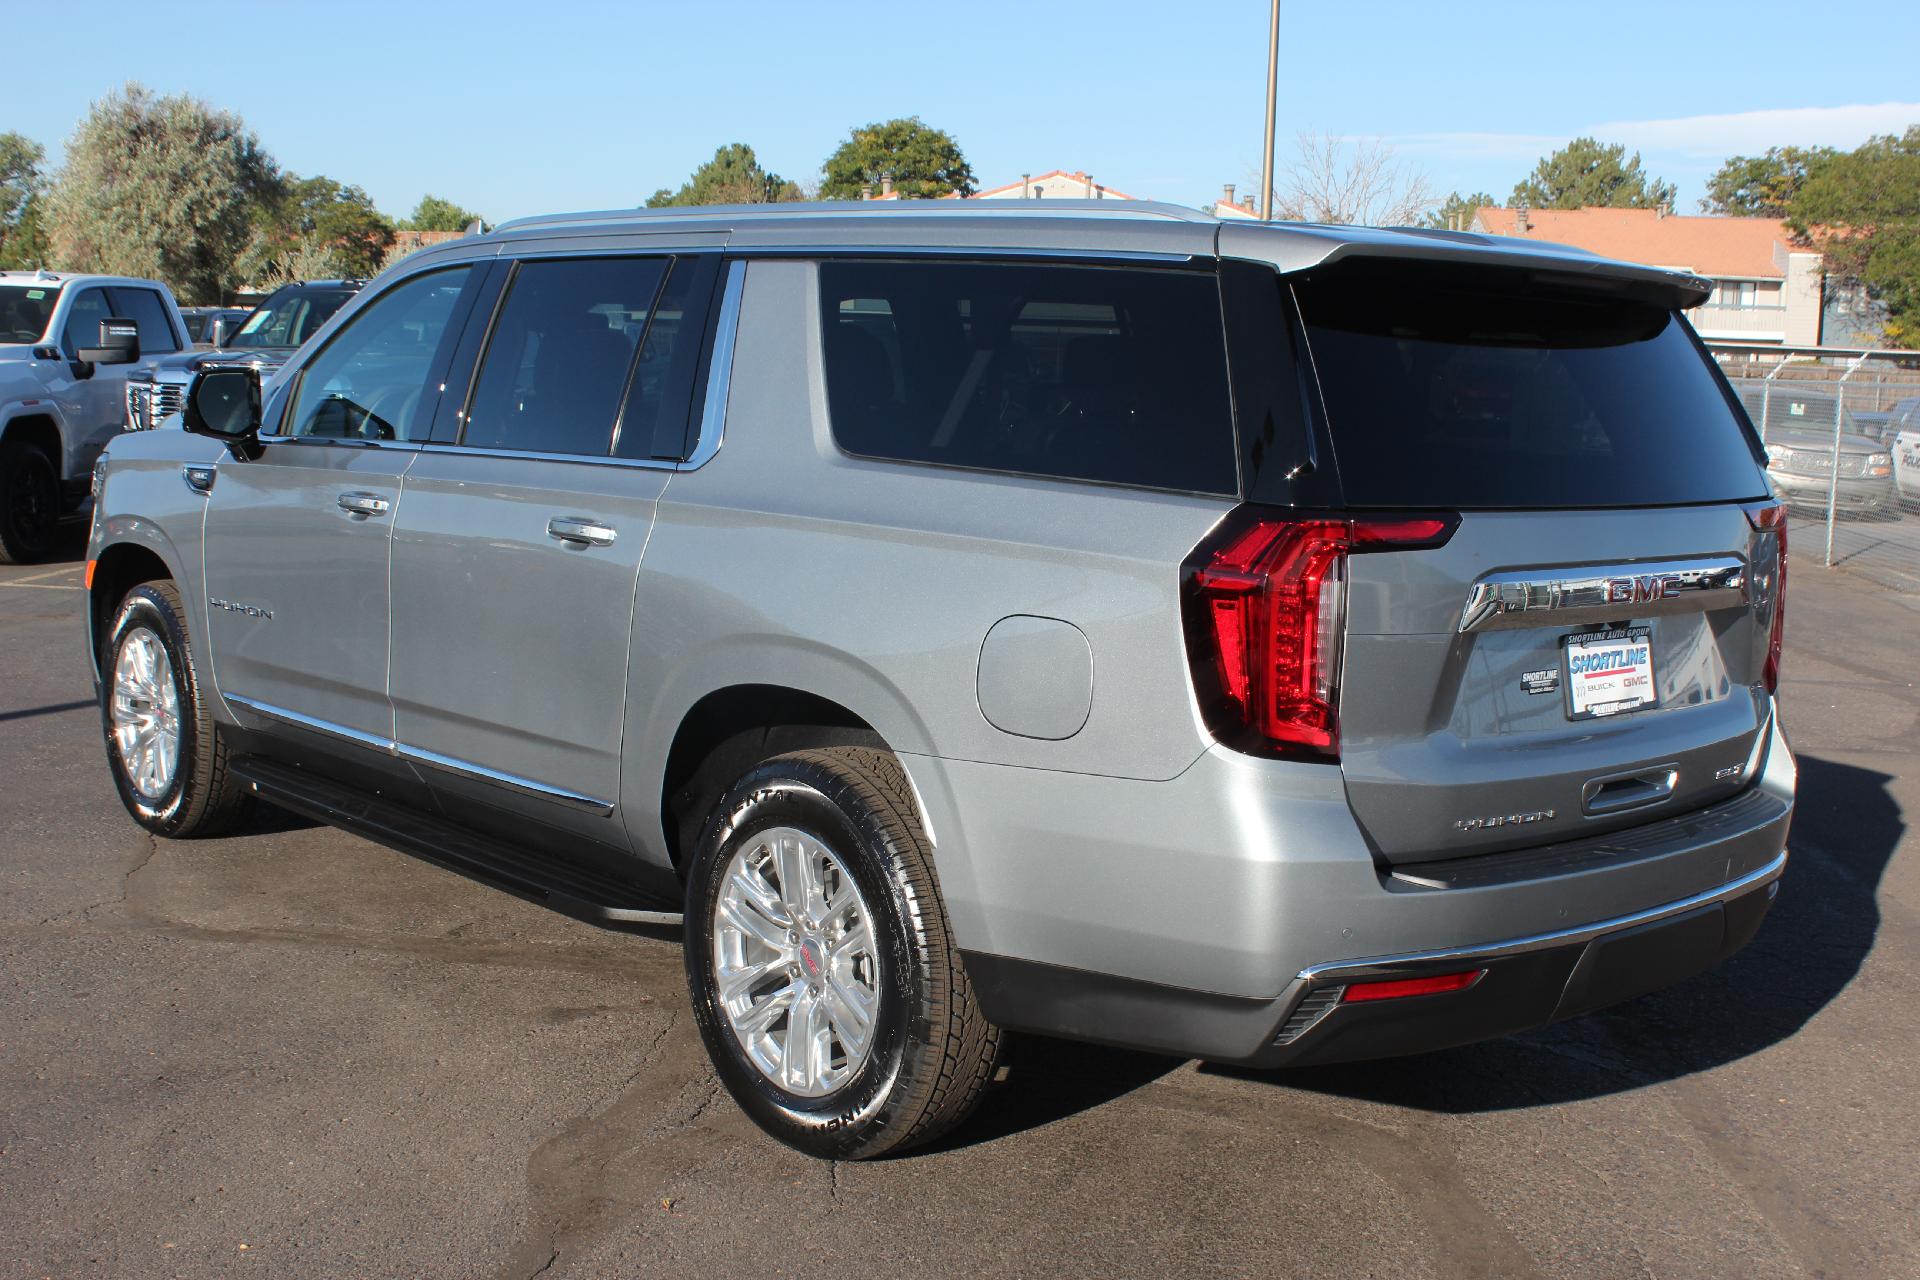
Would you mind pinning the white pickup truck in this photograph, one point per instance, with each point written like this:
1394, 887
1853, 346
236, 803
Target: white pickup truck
67, 343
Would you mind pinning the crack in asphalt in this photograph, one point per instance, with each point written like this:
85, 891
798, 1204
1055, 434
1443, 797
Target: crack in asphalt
565, 1173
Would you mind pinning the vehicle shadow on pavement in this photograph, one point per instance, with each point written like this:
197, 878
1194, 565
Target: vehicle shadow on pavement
1846, 827
1043, 1080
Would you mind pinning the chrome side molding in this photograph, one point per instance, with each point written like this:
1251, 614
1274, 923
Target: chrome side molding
419, 755
1603, 593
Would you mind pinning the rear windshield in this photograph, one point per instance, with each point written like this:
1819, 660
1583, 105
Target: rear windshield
290, 317
1479, 389
1085, 373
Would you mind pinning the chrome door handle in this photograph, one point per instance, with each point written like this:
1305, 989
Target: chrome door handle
364, 504
586, 533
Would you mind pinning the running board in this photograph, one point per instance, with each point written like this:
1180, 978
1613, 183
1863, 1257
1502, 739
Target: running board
571, 890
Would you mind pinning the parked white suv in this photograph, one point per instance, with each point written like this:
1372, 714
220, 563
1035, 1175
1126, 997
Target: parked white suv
67, 343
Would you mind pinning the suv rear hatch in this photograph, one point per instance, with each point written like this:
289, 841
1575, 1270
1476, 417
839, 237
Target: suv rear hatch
1589, 646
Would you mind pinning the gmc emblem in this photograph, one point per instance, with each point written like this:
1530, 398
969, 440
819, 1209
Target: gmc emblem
1639, 590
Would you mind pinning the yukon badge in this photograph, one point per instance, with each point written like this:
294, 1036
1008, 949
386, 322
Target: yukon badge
1503, 820
250, 610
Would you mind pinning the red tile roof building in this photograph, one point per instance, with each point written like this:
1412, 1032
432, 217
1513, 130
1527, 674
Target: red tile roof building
1765, 289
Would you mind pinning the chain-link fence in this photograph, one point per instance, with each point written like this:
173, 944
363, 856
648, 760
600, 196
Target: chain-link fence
1843, 446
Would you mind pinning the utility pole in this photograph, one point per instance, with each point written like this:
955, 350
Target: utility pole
1273, 85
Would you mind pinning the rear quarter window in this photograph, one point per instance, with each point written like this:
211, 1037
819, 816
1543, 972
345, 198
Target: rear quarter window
1481, 388
1110, 374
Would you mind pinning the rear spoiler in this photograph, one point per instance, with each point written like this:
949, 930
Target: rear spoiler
1297, 247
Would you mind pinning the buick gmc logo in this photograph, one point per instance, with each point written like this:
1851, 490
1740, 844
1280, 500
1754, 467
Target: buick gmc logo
1645, 587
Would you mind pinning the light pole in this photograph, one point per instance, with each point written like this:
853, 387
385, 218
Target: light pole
1273, 85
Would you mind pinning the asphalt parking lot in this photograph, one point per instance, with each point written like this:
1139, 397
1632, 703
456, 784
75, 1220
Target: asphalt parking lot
289, 1052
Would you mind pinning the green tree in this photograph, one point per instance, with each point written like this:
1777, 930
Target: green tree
1763, 186
167, 188
1585, 173
1456, 211
435, 214
733, 176
921, 160
1862, 210
317, 227
23, 185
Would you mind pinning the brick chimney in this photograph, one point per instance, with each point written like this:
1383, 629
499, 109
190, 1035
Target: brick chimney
1226, 197
1520, 224
886, 184
866, 191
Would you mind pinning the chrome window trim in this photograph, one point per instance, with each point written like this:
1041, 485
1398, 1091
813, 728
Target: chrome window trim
976, 253
1386, 966
713, 409
419, 755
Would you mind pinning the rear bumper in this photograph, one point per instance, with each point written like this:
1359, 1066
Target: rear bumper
1521, 983
1199, 916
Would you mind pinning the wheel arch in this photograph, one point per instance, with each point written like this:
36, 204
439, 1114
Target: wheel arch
114, 571
40, 428
732, 728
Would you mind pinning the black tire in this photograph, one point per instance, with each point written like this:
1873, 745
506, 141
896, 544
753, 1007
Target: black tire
932, 1052
204, 797
29, 503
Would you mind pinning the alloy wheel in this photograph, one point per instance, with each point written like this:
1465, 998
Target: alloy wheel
795, 964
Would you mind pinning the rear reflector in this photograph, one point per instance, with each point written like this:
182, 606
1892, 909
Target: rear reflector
1400, 988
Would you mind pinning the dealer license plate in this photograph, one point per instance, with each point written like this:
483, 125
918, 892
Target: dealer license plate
1608, 672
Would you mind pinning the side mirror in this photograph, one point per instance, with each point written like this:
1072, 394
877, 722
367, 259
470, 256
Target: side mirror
221, 331
224, 404
119, 343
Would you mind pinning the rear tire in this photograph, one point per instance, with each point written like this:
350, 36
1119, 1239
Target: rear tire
860, 1086
29, 503
168, 758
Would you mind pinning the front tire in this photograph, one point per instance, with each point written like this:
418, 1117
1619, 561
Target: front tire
168, 760
821, 964
29, 503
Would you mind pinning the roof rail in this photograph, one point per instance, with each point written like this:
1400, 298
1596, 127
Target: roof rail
805, 209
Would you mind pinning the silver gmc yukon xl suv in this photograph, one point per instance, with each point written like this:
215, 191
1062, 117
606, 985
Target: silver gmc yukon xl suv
1273, 644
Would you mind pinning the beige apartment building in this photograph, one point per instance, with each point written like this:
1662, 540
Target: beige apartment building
1765, 290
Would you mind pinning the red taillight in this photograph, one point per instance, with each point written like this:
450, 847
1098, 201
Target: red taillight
1267, 618
1772, 518
1400, 988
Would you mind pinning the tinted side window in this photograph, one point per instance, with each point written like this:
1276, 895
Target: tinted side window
83, 322
371, 382
556, 365
1086, 373
149, 315
662, 395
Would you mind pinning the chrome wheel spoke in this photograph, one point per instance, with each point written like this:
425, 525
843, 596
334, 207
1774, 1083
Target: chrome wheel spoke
852, 1014
751, 886
747, 919
735, 983
768, 1010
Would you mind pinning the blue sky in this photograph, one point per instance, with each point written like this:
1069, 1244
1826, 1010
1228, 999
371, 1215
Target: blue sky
566, 104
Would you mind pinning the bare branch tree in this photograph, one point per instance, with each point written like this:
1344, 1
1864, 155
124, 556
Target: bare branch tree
1351, 182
